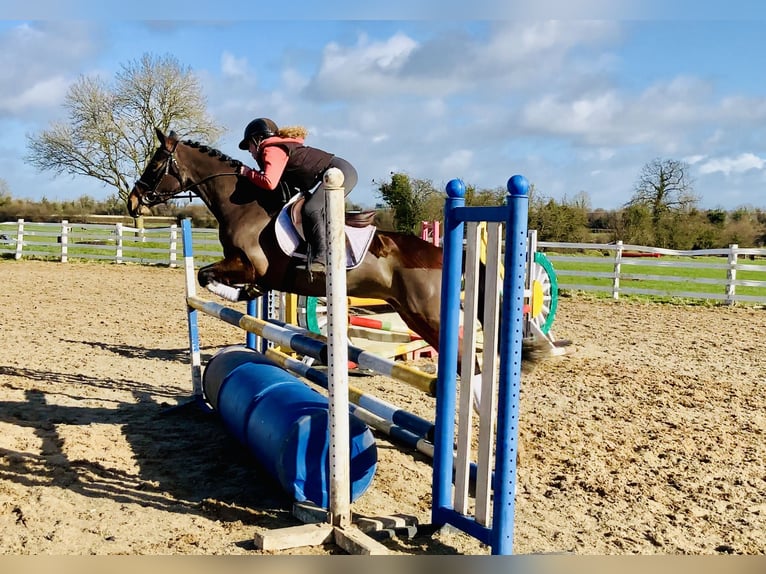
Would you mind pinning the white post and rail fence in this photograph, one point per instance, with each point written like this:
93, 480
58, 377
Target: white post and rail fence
729, 275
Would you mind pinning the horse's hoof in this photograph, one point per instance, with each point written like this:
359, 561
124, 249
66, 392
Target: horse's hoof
249, 292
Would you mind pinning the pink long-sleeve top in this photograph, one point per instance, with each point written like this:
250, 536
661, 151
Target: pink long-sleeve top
272, 160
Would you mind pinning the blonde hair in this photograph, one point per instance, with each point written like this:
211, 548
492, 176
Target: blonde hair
293, 132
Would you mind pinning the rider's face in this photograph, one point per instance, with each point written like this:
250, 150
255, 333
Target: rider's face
253, 148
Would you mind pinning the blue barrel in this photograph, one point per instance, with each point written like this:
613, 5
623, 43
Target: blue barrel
285, 424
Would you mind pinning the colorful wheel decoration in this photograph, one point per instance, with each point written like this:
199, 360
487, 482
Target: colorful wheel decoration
545, 292
312, 314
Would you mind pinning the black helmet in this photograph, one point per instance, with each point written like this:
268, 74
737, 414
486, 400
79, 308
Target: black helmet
259, 128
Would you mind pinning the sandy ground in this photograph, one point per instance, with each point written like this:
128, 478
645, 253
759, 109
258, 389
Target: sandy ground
647, 438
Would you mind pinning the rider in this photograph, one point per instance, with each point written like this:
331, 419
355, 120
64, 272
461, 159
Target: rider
287, 164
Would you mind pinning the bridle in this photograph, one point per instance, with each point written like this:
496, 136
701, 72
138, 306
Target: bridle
152, 196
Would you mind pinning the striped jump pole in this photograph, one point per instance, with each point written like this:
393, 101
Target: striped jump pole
192, 320
382, 325
423, 381
312, 345
491, 520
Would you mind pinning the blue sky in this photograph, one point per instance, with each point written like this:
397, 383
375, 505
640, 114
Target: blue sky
573, 103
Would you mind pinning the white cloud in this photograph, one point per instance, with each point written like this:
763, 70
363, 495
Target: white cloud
729, 165
457, 162
293, 80
524, 57
233, 66
592, 117
745, 108
436, 108
39, 60
518, 42
681, 116
694, 159
44, 94
368, 67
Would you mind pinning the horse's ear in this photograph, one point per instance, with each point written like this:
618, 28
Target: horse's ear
167, 141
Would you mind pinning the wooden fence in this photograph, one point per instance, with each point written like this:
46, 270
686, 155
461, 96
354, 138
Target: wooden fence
117, 242
730, 275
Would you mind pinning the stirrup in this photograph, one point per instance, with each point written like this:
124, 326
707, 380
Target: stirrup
317, 266
314, 264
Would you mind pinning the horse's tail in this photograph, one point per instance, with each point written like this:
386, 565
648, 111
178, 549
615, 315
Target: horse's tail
534, 350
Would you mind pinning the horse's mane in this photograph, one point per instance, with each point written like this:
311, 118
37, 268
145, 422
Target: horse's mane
212, 152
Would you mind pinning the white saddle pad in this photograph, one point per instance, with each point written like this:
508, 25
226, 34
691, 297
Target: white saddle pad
358, 239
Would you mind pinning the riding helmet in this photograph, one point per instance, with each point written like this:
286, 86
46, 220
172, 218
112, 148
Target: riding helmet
259, 129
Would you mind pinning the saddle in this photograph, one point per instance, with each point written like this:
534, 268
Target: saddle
358, 227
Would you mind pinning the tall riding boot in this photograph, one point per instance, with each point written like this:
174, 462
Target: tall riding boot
316, 237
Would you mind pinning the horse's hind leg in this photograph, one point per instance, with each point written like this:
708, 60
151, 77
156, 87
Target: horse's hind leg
422, 324
231, 278
416, 299
426, 323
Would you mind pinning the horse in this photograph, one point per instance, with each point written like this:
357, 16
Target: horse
401, 269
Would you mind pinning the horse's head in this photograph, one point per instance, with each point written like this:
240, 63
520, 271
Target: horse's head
161, 179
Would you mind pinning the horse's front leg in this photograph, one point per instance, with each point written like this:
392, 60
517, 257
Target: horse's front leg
231, 278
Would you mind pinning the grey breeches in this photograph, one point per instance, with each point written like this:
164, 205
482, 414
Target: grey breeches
316, 199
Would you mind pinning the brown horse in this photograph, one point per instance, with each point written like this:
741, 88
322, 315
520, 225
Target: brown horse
401, 269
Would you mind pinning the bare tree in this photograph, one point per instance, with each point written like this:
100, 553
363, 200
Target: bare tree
664, 186
110, 128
